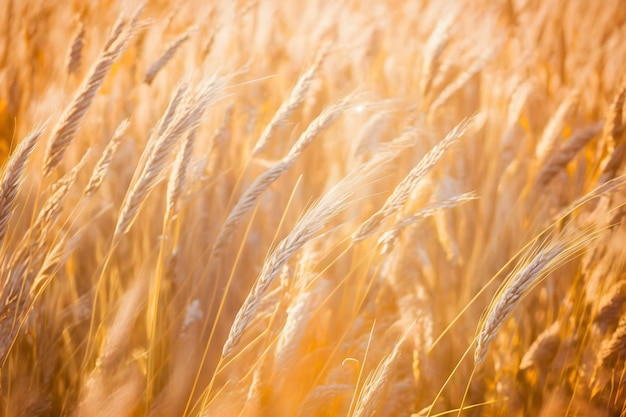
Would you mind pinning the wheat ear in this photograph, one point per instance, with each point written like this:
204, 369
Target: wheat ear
188, 119
118, 336
167, 55
295, 100
179, 93
375, 382
543, 350
54, 204
388, 239
557, 161
615, 143
433, 49
76, 50
617, 114
521, 282
403, 190
298, 315
263, 181
310, 224
611, 307
614, 348
64, 132
103, 164
320, 395
551, 133
177, 178
12, 178
464, 77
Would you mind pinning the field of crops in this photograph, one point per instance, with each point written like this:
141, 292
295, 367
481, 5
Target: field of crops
312, 208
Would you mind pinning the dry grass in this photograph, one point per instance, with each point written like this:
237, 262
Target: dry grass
393, 208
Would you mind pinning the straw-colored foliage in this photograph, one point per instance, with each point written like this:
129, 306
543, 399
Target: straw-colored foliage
312, 208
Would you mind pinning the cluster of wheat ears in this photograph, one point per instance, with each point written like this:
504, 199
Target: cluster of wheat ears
316, 208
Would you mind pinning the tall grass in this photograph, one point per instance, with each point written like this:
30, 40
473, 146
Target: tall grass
392, 208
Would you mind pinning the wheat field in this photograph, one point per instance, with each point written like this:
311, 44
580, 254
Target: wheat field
312, 208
